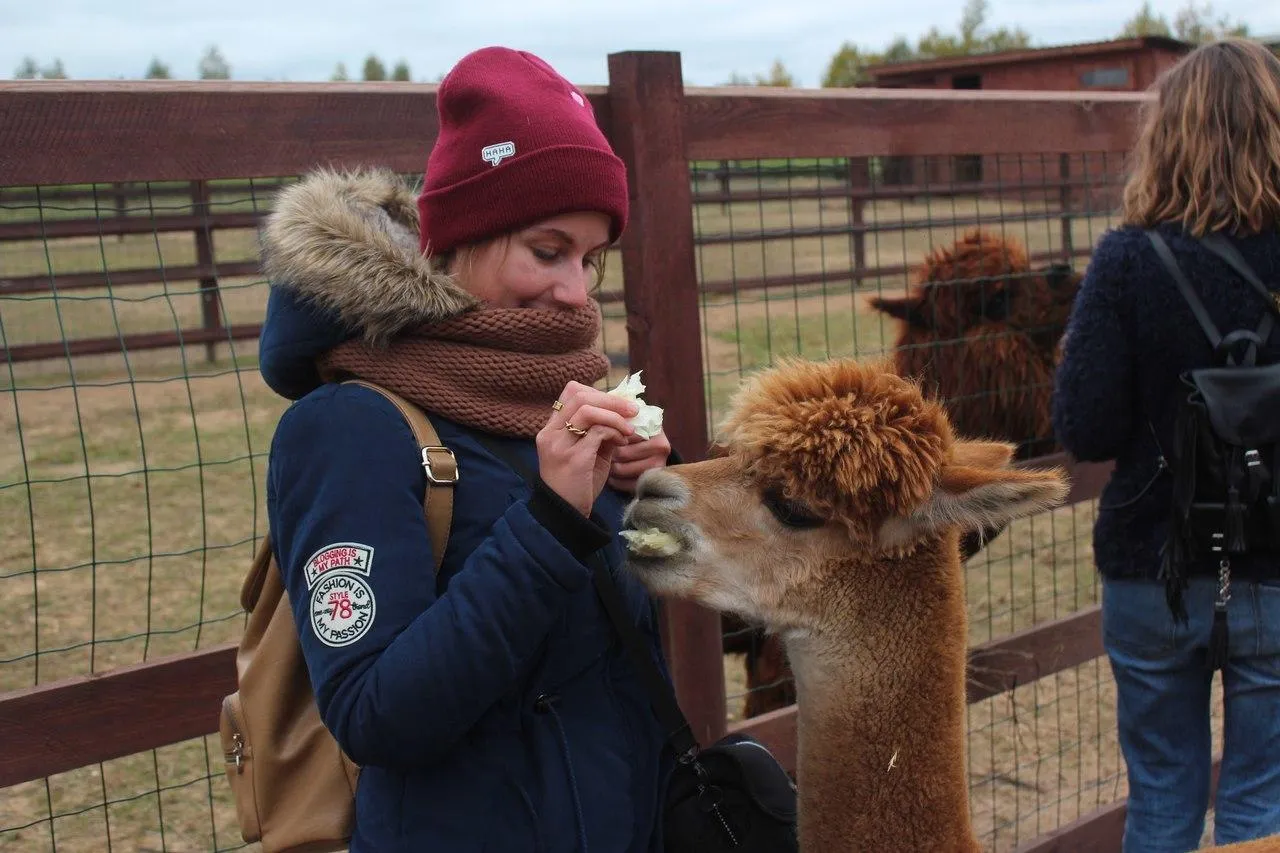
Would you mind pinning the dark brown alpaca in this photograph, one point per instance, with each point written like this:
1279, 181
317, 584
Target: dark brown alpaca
980, 330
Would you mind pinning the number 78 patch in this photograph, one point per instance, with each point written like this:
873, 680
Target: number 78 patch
342, 602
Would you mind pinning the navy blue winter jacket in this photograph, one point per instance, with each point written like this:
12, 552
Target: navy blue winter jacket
490, 708
1130, 336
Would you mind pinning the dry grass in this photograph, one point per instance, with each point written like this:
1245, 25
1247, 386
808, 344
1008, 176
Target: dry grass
132, 495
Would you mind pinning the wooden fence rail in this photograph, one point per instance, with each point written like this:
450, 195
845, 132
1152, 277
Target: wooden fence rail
61, 726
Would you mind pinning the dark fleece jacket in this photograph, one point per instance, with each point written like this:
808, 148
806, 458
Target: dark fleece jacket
1130, 336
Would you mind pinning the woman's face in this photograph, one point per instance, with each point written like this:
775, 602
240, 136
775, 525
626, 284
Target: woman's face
551, 264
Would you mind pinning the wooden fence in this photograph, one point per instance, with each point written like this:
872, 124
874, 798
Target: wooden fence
56, 134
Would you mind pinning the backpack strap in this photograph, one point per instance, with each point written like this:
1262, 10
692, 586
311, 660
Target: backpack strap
439, 464
1222, 247
1184, 286
441, 468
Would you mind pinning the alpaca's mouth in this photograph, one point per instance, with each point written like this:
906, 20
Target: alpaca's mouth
648, 543
651, 534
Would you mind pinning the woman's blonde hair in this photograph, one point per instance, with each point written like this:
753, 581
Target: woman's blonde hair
1208, 153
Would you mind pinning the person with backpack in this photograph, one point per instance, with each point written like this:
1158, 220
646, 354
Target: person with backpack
1169, 368
489, 706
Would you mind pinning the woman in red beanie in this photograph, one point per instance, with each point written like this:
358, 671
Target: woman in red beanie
489, 707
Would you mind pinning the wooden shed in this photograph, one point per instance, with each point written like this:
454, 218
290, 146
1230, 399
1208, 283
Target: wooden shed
1121, 65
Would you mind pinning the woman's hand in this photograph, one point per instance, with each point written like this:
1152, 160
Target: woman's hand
576, 447
636, 457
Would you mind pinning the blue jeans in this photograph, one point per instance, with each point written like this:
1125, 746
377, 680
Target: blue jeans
1162, 689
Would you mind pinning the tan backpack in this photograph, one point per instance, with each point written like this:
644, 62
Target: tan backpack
294, 788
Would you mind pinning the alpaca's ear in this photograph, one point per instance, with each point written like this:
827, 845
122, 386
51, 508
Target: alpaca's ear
1062, 279
996, 299
980, 496
907, 309
983, 454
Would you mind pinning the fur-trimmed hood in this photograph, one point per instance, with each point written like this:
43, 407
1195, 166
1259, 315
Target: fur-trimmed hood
340, 251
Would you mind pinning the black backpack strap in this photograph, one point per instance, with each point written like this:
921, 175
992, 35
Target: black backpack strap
1223, 248
661, 696
1184, 286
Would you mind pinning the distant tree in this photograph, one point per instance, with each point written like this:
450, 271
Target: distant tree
339, 73
778, 76
374, 69
971, 20
1006, 39
971, 39
1196, 24
54, 71
401, 71
157, 70
848, 67
1146, 22
737, 79
213, 66
27, 70
899, 50
935, 44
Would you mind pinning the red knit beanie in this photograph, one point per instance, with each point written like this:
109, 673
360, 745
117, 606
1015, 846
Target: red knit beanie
518, 143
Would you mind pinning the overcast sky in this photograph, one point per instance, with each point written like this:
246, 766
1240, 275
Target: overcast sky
301, 40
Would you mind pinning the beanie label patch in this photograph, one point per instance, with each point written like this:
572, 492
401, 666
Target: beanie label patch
495, 154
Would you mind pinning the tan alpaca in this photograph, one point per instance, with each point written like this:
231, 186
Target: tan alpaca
833, 518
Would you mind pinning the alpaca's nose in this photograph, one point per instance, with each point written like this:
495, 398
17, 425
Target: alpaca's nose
657, 484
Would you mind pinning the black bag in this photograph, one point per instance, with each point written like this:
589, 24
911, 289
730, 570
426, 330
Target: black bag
731, 796
1226, 492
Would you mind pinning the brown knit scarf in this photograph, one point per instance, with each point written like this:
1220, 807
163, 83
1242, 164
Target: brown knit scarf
495, 369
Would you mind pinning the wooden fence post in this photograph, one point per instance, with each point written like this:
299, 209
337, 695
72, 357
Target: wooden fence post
210, 307
1065, 204
120, 192
646, 99
859, 176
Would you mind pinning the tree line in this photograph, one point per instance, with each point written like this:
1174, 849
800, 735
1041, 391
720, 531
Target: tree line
211, 66
1195, 22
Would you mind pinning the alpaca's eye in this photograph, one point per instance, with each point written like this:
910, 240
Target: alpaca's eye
790, 513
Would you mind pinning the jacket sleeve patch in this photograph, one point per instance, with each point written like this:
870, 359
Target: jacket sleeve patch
342, 602
340, 556
342, 609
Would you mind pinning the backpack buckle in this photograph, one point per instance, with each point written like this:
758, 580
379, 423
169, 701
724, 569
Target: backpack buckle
443, 472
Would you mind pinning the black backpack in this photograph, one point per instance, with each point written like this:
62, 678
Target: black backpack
1226, 484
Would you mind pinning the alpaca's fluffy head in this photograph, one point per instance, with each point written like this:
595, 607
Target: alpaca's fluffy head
973, 281
848, 440
829, 470
983, 278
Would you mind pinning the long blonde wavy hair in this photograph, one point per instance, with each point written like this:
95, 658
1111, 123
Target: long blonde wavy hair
1208, 152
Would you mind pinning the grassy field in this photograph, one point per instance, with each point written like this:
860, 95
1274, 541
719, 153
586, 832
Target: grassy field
131, 496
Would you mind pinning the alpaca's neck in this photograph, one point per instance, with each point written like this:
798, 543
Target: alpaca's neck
881, 727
